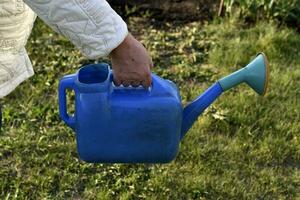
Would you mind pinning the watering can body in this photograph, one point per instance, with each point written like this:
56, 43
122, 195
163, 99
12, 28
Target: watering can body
137, 125
122, 125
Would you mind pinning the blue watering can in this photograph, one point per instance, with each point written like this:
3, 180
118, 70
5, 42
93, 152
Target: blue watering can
137, 125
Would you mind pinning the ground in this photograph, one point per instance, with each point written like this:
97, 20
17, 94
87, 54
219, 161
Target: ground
243, 147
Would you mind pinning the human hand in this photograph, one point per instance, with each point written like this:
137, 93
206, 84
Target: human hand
131, 63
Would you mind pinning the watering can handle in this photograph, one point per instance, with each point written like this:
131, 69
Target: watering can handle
140, 87
65, 83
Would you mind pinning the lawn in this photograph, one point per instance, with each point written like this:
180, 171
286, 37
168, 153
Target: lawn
243, 147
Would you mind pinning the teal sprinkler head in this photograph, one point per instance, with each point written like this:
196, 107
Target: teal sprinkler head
255, 74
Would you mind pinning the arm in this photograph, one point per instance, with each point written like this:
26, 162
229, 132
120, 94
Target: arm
91, 25
97, 31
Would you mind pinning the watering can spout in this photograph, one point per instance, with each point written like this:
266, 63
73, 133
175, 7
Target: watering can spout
192, 111
255, 74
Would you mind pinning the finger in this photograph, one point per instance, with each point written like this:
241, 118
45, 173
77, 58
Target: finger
117, 82
144, 84
149, 79
135, 83
147, 82
125, 83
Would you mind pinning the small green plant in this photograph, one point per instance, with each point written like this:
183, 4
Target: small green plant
287, 11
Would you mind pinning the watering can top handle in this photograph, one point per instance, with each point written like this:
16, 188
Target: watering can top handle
154, 85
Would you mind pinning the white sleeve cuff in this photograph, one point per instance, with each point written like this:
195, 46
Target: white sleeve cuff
91, 25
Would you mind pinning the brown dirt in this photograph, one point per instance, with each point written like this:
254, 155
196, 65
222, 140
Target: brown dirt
172, 9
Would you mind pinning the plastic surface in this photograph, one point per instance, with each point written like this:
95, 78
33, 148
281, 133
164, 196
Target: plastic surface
66, 83
121, 125
193, 110
255, 74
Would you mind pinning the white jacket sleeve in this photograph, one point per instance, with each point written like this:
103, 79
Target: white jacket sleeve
91, 25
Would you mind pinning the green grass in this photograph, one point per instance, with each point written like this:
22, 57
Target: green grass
281, 11
242, 147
